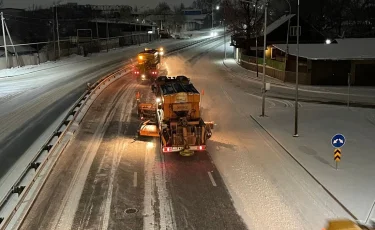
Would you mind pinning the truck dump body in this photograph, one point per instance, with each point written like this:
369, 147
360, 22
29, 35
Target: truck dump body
148, 64
181, 127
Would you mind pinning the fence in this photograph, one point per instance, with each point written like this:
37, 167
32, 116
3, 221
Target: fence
37, 53
248, 62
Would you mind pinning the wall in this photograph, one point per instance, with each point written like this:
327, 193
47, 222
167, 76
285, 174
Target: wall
44, 56
249, 63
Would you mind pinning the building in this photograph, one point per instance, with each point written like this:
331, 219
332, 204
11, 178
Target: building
277, 34
332, 64
194, 19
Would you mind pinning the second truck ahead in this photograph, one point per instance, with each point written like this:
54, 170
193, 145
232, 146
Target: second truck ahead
175, 116
149, 64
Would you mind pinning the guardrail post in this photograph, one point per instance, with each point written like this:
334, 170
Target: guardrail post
18, 189
34, 165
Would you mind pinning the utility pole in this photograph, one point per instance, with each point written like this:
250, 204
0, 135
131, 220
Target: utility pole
225, 45
11, 42
5, 42
256, 38
212, 15
297, 73
287, 36
106, 19
264, 60
54, 32
97, 27
58, 34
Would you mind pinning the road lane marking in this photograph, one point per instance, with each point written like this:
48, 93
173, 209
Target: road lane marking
212, 179
135, 179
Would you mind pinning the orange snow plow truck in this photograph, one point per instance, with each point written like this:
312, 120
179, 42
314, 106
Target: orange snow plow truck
345, 224
175, 116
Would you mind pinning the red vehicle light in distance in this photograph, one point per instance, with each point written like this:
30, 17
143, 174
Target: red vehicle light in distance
154, 72
136, 72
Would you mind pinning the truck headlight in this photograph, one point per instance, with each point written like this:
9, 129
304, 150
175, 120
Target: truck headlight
143, 76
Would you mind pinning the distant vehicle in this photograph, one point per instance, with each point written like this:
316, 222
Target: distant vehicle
164, 34
175, 116
149, 65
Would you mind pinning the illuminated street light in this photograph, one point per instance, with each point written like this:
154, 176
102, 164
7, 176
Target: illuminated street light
217, 7
328, 41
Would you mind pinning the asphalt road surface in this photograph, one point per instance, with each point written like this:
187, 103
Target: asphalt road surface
107, 180
42, 97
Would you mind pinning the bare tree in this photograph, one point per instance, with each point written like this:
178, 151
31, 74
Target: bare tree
1, 3
244, 18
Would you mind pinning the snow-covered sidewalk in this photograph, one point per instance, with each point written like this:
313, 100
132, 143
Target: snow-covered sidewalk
232, 65
353, 184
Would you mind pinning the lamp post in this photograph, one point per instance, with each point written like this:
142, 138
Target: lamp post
287, 35
264, 54
264, 60
57, 27
297, 70
212, 14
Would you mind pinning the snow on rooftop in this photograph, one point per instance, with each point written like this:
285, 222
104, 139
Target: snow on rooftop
276, 24
345, 49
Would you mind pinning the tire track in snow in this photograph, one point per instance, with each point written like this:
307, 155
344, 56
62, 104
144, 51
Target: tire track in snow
65, 216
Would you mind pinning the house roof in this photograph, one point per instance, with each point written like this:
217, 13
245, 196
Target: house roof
195, 17
276, 24
345, 49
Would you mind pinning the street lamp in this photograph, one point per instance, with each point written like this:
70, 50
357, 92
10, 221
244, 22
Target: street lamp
212, 14
264, 54
328, 41
297, 73
287, 36
264, 59
57, 26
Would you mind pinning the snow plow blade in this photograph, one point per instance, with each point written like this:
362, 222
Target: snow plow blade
148, 129
146, 110
342, 224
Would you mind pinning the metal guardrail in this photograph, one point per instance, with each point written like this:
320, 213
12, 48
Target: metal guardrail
46, 154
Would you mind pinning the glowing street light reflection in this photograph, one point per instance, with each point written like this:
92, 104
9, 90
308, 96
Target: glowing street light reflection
150, 145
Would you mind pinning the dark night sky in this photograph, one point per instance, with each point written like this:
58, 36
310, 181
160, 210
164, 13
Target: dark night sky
139, 3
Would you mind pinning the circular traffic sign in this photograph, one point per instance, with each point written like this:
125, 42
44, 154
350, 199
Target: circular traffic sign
338, 140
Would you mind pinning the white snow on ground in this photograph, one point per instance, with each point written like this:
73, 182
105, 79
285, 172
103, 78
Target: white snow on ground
235, 68
354, 182
269, 189
18, 80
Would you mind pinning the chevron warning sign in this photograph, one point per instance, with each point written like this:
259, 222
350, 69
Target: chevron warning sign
337, 155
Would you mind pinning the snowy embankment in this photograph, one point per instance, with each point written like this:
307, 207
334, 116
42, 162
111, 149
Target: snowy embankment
353, 184
18, 80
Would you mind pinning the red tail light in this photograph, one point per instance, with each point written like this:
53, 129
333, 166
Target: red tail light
167, 149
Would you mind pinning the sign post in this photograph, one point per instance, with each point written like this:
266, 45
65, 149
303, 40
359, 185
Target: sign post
337, 156
337, 142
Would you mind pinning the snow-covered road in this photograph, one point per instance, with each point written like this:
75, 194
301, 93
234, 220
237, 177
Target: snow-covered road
244, 164
33, 97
